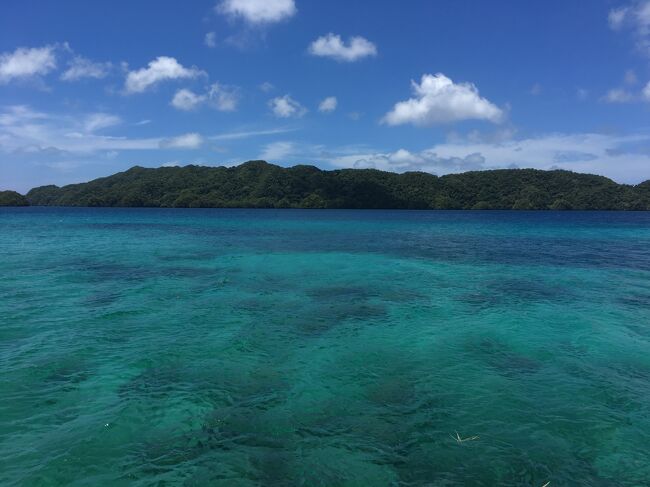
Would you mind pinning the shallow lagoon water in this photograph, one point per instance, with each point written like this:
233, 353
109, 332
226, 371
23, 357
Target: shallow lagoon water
332, 348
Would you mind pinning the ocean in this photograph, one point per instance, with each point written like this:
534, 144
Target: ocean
324, 348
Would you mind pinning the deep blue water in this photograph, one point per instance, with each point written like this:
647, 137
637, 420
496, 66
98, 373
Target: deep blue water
342, 348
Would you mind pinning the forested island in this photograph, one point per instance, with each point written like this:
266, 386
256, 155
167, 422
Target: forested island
258, 184
11, 198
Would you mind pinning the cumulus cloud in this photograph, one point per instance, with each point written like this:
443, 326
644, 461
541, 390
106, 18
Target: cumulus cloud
624, 158
80, 67
258, 12
27, 63
328, 105
210, 39
332, 46
636, 18
220, 97
186, 141
286, 107
162, 68
437, 99
277, 151
187, 100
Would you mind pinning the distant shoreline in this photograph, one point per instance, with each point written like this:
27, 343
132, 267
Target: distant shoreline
258, 184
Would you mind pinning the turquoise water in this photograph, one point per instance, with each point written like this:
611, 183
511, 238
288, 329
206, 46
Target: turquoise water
333, 348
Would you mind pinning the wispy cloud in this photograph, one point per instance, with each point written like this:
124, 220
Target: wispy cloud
624, 158
23, 130
210, 39
636, 18
99, 121
277, 151
185, 141
80, 67
249, 134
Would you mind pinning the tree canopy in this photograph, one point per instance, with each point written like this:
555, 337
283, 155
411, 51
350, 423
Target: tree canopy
11, 198
257, 184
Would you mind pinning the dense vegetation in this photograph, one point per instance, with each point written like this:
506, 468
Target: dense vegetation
11, 198
257, 184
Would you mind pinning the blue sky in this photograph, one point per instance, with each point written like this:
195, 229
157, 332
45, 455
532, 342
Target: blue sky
91, 88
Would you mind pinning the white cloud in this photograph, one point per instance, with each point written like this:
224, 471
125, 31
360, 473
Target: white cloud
536, 89
277, 151
258, 11
624, 158
617, 17
252, 133
23, 130
625, 95
220, 97
210, 39
582, 94
266, 87
437, 99
160, 69
286, 107
403, 160
81, 67
630, 77
223, 98
635, 17
328, 105
98, 121
618, 95
20, 114
187, 100
332, 46
186, 141
646, 92
26, 63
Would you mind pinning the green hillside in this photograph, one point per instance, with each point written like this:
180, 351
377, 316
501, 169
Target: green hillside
257, 184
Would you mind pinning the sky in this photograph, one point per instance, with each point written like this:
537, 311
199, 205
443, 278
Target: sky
88, 89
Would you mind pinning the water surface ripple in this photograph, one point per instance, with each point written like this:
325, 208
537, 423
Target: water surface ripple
324, 348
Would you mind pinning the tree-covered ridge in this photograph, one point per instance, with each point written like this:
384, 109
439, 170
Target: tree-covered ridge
11, 198
257, 184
